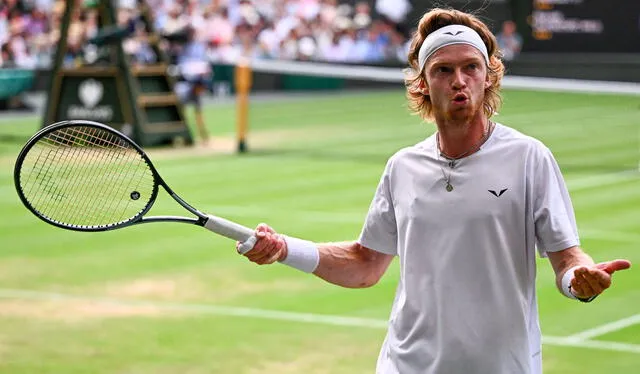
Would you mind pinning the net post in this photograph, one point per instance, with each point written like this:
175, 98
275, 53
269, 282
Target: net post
243, 81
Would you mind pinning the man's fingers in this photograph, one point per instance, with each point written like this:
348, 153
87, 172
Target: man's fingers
593, 279
259, 259
269, 246
581, 285
603, 278
264, 228
267, 249
265, 259
261, 254
272, 259
252, 250
613, 266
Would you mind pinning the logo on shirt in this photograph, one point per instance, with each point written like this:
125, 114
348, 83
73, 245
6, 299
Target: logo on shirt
498, 194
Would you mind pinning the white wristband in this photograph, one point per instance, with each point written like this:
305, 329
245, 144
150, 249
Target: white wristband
301, 254
566, 283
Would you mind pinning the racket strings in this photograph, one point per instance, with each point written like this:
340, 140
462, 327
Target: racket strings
100, 199
87, 177
57, 140
97, 215
110, 151
115, 145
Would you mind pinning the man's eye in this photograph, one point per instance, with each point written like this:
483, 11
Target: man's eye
443, 69
473, 66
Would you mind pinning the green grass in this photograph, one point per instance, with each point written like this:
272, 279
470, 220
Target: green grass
311, 172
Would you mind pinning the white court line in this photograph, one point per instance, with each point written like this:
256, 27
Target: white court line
321, 319
606, 328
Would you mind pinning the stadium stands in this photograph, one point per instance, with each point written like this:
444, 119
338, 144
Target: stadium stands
223, 30
320, 30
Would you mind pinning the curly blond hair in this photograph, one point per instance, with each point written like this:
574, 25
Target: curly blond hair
434, 19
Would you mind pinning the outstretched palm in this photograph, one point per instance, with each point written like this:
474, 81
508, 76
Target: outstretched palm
591, 281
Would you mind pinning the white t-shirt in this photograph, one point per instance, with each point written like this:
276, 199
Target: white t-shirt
466, 299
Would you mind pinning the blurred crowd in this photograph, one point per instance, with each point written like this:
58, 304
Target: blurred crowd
216, 30
26, 36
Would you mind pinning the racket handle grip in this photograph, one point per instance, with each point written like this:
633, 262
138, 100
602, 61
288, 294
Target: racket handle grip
232, 230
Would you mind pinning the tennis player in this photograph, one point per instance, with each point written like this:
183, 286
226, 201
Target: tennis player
465, 211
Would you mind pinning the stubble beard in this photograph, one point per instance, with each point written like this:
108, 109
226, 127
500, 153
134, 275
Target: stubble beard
461, 117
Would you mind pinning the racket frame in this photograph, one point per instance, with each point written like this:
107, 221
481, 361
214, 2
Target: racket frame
201, 219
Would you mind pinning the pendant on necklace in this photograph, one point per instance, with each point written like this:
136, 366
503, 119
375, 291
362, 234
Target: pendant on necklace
449, 187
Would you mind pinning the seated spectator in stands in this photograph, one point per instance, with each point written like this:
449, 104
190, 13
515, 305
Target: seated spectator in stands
76, 38
268, 41
337, 50
509, 41
362, 15
4, 28
176, 20
139, 49
7, 59
398, 48
219, 29
42, 51
307, 48
38, 23
367, 48
17, 21
22, 48
246, 45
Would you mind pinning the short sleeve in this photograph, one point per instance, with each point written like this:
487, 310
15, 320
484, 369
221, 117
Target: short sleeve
380, 231
555, 224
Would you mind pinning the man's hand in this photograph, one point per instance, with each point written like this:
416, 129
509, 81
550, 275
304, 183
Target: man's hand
269, 248
592, 280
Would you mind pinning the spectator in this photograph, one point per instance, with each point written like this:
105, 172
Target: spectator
509, 41
7, 59
176, 21
219, 27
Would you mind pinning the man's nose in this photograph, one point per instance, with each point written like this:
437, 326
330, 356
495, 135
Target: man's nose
458, 79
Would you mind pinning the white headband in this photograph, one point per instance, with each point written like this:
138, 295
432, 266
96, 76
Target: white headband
448, 35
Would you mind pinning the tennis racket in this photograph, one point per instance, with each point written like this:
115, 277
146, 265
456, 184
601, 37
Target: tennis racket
86, 176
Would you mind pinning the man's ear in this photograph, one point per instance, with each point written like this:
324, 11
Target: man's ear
487, 82
424, 89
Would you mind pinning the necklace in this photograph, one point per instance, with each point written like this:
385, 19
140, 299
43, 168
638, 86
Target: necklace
453, 160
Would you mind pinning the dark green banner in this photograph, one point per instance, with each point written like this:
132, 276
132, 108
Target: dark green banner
611, 26
90, 98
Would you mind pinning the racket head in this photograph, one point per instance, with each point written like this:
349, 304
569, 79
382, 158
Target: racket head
85, 176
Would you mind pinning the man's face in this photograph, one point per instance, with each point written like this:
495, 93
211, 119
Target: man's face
456, 78
509, 28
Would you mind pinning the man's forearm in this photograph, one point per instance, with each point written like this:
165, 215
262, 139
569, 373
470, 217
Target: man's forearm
348, 264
